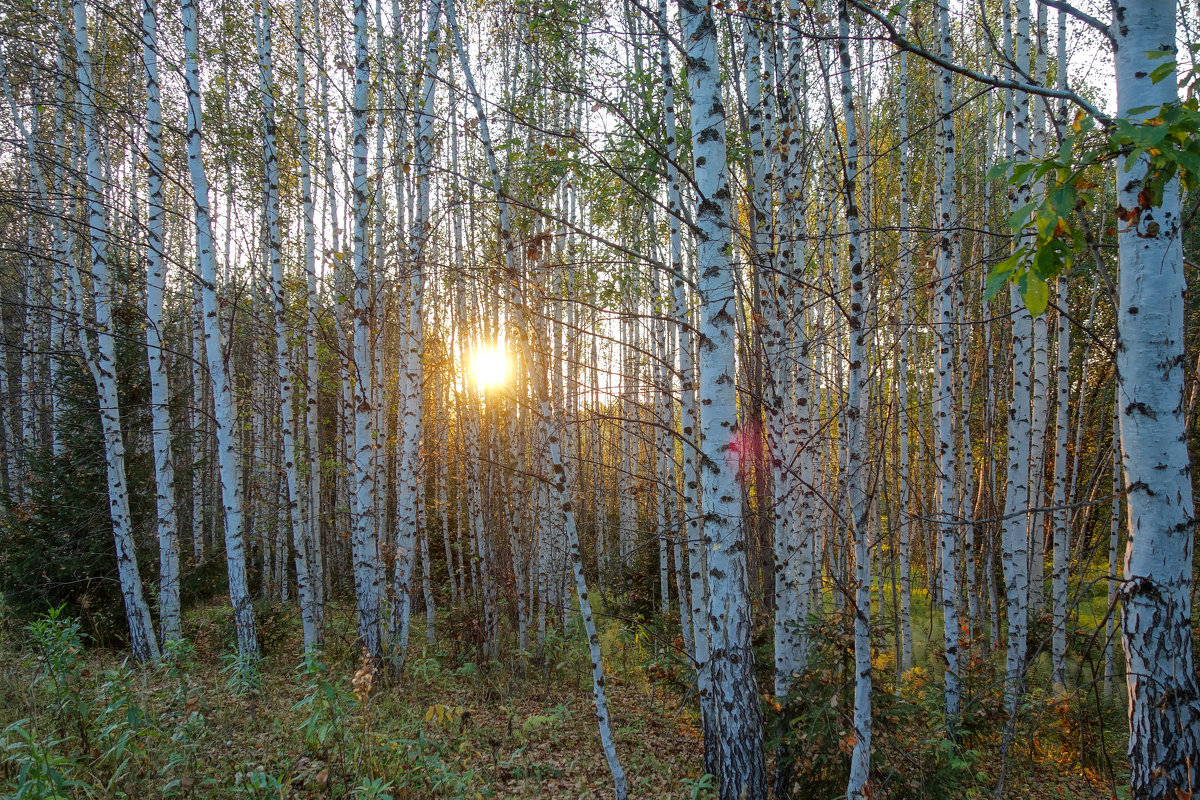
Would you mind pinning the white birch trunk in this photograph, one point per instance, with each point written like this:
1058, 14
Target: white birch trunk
164, 468
1156, 623
312, 504
224, 413
856, 435
904, 523
104, 365
1017, 498
741, 767
410, 485
293, 518
368, 577
949, 265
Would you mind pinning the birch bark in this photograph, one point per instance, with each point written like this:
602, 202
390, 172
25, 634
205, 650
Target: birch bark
741, 767
224, 414
1156, 623
104, 366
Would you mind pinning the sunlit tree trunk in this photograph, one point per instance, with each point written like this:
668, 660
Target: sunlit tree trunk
741, 768
1156, 623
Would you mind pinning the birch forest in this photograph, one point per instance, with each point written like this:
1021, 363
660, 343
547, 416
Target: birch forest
732, 399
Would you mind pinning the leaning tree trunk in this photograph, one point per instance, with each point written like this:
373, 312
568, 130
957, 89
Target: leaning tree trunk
224, 414
1156, 628
141, 628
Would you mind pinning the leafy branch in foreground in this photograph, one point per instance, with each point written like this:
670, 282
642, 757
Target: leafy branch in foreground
1045, 234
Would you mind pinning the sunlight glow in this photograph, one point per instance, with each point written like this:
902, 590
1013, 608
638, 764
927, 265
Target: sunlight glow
489, 366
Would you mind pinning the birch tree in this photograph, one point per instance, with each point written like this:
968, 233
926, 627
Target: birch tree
1156, 626
365, 527
103, 360
741, 767
164, 469
224, 417
559, 481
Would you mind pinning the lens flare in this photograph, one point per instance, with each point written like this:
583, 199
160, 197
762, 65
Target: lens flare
489, 366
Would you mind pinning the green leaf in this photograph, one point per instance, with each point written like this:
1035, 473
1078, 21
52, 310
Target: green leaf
1062, 199
1147, 135
1046, 221
1189, 163
1020, 218
1132, 159
1046, 262
1002, 273
1020, 171
998, 171
996, 281
1035, 294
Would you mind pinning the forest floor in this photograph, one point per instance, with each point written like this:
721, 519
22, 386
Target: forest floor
452, 725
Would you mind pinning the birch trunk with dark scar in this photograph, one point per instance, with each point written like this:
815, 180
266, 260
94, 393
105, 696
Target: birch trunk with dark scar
949, 258
312, 452
694, 621
1017, 497
1156, 621
904, 523
856, 434
1062, 397
1039, 374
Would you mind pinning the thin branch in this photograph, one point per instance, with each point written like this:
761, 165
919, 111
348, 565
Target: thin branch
1000, 83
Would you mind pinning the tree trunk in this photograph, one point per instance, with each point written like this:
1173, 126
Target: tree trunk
1156, 624
741, 768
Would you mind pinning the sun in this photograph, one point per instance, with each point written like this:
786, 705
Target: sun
489, 366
